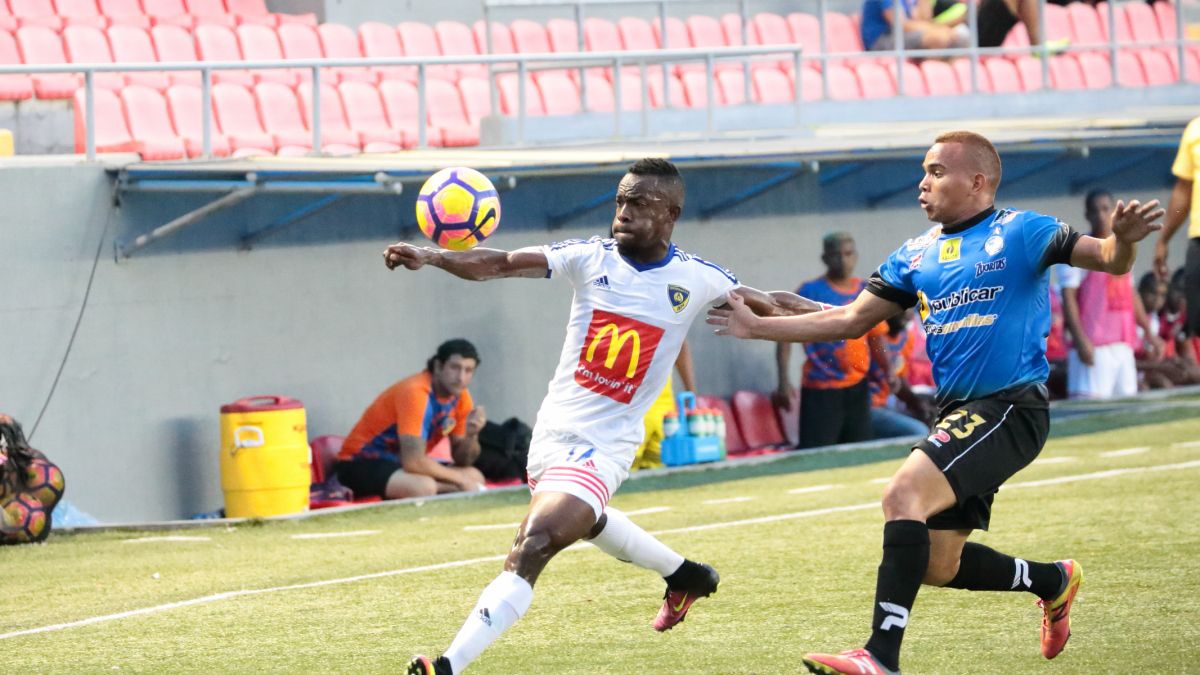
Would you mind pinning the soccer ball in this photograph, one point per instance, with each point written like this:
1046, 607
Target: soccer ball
25, 520
458, 208
45, 482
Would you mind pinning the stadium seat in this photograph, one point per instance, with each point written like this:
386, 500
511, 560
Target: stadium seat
365, 115
1058, 23
334, 120
559, 94
734, 32
1065, 72
131, 44
768, 28
111, 132
218, 43
695, 90
170, 12
1095, 70
449, 117
774, 87
1029, 69
530, 37
81, 13
281, 116
510, 95
843, 35
260, 43
41, 45
476, 98
87, 44
150, 124
301, 42
1165, 13
1017, 38
338, 41
380, 40
874, 80
174, 44
638, 35
400, 102
734, 443
1122, 31
1143, 23
456, 39
8, 22
983, 81
706, 32
13, 87
36, 13
657, 98
1129, 68
914, 79
600, 97
732, 85
1002, 76
127, 12
940, 78
325, 450
236, 116
806, 31
756, 419
1156, 66
843, 85
501, 39
418, 39
1087, 29
601, 35
210, 12
677, 37
562, 34
631, 90
184, 104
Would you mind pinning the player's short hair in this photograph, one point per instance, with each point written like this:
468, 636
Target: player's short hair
449, 348
654, 166
1089, 201
1148, 283
832, 241
980, 150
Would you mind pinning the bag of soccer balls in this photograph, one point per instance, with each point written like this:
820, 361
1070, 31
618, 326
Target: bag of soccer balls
30, 487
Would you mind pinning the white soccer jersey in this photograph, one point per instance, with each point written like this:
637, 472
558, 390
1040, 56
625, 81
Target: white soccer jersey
627, 325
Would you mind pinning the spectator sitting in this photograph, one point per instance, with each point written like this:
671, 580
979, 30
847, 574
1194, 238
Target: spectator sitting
887, 394
1101, 314
1172, 329
386, 454
919, 28
1167, 370
997, 17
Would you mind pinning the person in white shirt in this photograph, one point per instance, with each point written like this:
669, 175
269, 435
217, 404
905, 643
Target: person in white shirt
635, 295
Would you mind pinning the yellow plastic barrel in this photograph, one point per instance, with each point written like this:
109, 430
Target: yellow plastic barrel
265, 458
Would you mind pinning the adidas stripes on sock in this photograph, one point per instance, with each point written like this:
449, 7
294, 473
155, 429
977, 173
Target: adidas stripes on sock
625, 541
984, 569
905, 557
500, 605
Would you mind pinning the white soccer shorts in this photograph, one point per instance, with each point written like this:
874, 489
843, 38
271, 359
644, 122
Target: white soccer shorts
1113, 373
566, 463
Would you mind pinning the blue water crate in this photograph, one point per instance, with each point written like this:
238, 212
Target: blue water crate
682, 447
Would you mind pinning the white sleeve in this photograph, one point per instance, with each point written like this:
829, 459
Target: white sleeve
1069, 277
721, 281
565, 258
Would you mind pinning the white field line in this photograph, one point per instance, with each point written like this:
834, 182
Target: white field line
495, 558
330, 535
728, 500
494, 526
880, 481
647, 511
1186, 444
1053, 460
811, 488
171, 538
1125, 453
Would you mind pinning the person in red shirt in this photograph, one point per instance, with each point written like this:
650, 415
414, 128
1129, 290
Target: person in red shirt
387, 452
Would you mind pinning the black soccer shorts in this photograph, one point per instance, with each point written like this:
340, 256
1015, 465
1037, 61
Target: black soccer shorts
980, 444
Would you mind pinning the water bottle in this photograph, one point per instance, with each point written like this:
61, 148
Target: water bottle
670, 424
695, 422
720, 430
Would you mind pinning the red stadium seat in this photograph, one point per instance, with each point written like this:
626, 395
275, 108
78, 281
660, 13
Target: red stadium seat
914, 79
510, 96
1003, 75
983, 81
168, 12
735, 33
13, 87
1030, 71
756, 419
559, 94
874, 80
236, 114
301, 42
1087, 28
418, 39
806, 31
400, 102
695, 90
338, 41
456, 39
1165, 13
1122, 30
260, 43
638, 35
80, 12
41, 45
734, 443
87, 44
1095, 70
677, 36
380, 40
447, 114
184, 104
281, 116
127, 12
1158, 68
940, 78
366, 116
843, 34
333, 116
255, 11
774, 87
843, 85
36, 13
111, 133
174, 44
1129, 68
218, 43
530, 37
1143, 23
1065, 73
1058, 23
476, 98
150, 124
501, 39
131, 44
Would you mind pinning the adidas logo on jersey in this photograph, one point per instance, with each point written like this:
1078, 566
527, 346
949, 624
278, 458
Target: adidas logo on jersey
602, 282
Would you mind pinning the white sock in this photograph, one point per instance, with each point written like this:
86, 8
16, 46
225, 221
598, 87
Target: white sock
627, 542
500, 605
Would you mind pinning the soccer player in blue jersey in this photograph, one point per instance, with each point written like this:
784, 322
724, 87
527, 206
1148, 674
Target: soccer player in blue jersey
979, 280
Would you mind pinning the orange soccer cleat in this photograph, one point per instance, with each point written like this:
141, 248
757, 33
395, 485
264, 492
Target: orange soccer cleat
1056, 613
852, 662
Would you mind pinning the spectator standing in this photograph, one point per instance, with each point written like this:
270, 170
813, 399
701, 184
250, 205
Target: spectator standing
1184, 200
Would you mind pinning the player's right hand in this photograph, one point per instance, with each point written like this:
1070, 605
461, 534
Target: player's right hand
1160, 259
784, 396
400, 253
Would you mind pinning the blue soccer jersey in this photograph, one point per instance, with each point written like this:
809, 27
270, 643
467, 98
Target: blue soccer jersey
981, 290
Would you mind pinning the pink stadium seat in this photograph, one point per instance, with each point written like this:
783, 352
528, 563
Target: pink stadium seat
365, 115
150, 124
12, 87
174, 44
218, 43
510, 95
1158, 68
638, 35
559, 94
874, 80
338, 41
1058, 23
1129, 67
563, 36
601, 35
254, 11
36, 13
940, 78
771, 29
418, 39
600, 97
695, 90
8, 22
1030, 71
1003, 75
41, 45
236, 116
983, 80
914, 79
131, 44
805, 30
400, 102
168, 12
260, 43
1017, 37
1065, 72
446, 113
774, 87
732, 85
756, 419
300, 42
843, 34
530, 37
111, 132
1143, 23
333, 116
87, 44
706, 32
678, 36
184, 104
281, 117
734, 443
456, 39
80, 12
477, 101
678, 99
732, 29
501, 42
1086, 26
1165, 13
1123, 33
380, 40
1093, 68
127, 12
210, 11
843, 85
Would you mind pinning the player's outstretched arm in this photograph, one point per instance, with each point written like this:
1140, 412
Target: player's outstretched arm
838, 323
775, 303
1115, 253
477, 264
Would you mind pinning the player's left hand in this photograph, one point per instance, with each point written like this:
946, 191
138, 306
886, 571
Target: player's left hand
411, 257
475, 421
1132, 222
733, 318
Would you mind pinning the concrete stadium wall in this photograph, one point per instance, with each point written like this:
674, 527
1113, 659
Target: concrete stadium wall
194, 321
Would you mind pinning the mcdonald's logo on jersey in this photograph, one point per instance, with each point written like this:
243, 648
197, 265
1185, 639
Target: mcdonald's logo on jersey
616, 355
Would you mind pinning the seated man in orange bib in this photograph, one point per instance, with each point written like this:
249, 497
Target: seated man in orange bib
387, 452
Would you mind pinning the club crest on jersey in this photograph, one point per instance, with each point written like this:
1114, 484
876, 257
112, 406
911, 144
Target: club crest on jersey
994, 244
679, 297
1004, 216
950, 251
616, 354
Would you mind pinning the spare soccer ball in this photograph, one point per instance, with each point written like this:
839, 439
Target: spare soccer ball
45, 482
458, 208
25, 520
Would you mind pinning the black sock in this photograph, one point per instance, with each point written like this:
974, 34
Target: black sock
985, 569
905, 557
687, 576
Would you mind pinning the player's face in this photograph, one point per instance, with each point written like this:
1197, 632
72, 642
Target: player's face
945, 193
451, 377
645, 216
1100, 215
840, 260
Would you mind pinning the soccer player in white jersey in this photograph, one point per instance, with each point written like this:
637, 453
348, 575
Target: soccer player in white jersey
636, 294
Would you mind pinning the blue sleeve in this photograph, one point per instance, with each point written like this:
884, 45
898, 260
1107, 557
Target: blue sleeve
893, 280
1048, 241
